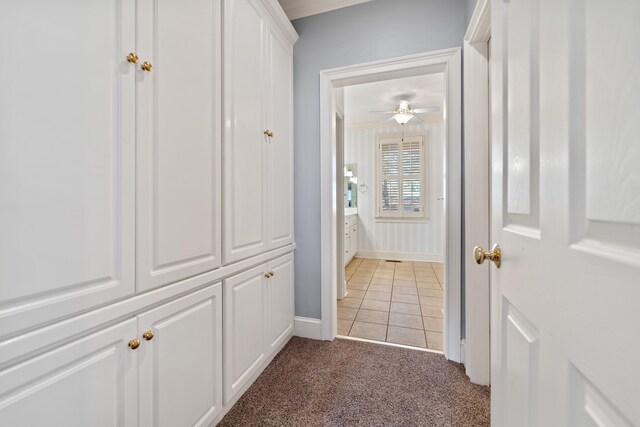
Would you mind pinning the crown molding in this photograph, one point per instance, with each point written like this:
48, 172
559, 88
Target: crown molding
282, 20
300, 8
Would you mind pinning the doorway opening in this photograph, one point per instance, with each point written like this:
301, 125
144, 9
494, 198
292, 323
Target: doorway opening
336, 223
393, 146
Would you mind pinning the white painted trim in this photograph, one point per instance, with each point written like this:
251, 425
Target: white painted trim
300, 8
307, 327
477, 354
479, 29
389, 344
402, 256
447, 61
282, 20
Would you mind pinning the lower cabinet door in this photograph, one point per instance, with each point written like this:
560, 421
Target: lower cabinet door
353, 241
89, 382
280, 300
180, 361
245, 317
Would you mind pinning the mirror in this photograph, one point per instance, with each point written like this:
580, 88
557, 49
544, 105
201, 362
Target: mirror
351, 185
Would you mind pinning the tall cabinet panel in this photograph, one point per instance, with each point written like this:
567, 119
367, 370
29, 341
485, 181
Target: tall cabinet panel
245, 197
181, 361
178, 134
280, 300
245, 318
66, 158
280, 153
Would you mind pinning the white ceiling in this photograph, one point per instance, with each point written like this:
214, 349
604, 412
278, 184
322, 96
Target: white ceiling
300, 8
421, 92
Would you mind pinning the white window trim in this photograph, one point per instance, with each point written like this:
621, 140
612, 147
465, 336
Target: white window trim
401, 216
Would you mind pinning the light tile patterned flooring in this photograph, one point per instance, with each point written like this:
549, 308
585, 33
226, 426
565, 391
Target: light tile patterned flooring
398, 302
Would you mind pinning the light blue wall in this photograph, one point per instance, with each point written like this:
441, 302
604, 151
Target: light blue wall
470, 5
375, 30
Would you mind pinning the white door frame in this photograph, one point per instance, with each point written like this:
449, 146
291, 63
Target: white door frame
477, 355
449, 62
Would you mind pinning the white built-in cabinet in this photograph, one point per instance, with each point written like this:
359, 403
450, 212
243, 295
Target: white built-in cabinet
258, 150
173, 370
114, 267
350, 246
258, 317
178, 139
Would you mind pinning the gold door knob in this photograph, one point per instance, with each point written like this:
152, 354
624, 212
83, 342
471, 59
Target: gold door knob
268, 133
267, 276
134, 343
132, 58
148, 335
271, 274
146, 66
494, 254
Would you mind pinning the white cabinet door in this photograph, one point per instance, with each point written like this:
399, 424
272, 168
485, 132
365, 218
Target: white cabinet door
280, 300
245, 144
280, 150
245, 319
90, 382
566, 212
353, 240
67, 158
181, 365
178, 140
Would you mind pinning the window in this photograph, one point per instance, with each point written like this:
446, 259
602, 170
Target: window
401, 182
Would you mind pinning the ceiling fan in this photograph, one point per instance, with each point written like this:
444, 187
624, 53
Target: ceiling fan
403, 112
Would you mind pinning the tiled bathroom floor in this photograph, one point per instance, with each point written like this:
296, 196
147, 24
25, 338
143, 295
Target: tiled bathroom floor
398, 302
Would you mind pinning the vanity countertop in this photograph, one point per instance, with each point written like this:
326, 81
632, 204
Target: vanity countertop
350, 211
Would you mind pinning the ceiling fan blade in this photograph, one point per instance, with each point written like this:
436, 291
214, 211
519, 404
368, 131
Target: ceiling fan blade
418, 118
382, 112
426, 110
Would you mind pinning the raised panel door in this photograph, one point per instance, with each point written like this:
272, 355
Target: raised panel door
280, 150
66, 158
91, 381
178, 140
566, 212
353, 240
245, 330
245, 143
181, 365
280, 300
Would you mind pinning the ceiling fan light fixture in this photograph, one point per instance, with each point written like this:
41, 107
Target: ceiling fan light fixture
402, 118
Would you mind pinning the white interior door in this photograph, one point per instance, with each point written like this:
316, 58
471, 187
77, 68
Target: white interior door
181, 363
280, 150
178, 140
566, 212
67, 100
245, 144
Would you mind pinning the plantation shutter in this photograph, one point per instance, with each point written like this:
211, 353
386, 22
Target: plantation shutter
401, 177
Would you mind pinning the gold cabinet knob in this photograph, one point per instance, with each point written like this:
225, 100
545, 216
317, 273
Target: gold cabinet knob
494, 255
271, 274
267, 276
132, 58
146, 66
134, 343
268, 133
148, 335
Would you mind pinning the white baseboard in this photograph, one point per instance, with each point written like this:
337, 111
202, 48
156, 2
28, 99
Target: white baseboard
307, 327
401, 256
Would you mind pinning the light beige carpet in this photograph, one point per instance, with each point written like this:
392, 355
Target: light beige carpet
350, 383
